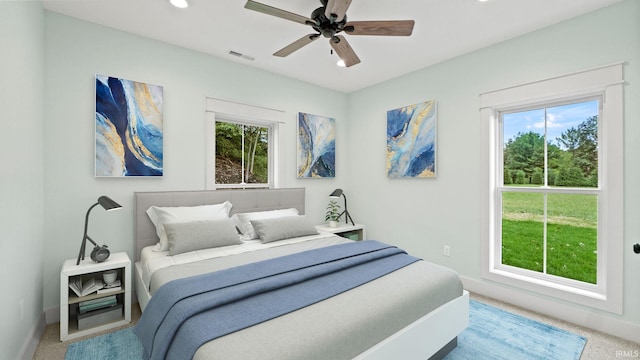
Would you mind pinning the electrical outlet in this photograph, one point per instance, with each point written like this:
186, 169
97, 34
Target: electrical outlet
21, 309
446, 250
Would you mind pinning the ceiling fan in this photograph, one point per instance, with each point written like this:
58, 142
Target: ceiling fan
329, 20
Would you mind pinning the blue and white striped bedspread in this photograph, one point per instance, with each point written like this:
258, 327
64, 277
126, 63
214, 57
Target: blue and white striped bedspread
184, 314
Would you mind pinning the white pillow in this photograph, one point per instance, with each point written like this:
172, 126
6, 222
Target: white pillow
163, 215
243, 220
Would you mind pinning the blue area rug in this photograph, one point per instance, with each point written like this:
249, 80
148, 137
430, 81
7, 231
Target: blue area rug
118, 345
495, 334
492, 334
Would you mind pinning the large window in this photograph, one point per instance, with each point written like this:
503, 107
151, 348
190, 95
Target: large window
242, 145
549, 192
554, 203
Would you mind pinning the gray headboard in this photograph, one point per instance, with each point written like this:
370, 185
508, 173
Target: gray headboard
242, 200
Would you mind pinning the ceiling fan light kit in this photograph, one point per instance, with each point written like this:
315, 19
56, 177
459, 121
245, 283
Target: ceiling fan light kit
328, 21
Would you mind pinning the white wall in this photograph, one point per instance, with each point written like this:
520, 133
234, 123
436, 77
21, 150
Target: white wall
75, 52
423, 215
21, 175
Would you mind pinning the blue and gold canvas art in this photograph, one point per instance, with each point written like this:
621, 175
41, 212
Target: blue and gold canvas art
129, 137
411, 141
316, 146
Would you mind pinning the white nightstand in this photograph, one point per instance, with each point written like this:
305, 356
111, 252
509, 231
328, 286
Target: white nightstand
354, 232
96, 320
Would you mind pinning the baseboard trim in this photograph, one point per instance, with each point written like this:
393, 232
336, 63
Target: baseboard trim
30, 345
547, 306
52, 315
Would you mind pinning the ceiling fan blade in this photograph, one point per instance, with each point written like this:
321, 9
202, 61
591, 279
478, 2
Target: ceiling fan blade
296, 45
385, 28
336, 9
270, 10
344, 50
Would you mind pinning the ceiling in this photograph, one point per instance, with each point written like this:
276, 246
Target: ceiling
443, 29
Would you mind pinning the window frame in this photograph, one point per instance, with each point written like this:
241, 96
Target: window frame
605, 82
237, 113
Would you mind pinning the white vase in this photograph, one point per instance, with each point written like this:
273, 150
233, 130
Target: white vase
333, 223
109, 276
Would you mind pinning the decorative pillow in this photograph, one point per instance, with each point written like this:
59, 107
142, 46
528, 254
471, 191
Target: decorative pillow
283, 228
203, 234
163, 215
243, 220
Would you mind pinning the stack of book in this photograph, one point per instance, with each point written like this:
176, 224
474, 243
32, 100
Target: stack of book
97, 304
92, 313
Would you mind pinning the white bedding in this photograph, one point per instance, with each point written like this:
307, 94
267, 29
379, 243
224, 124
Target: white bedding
152, 261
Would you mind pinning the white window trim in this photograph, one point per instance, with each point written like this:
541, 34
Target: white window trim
607, 81
237, 112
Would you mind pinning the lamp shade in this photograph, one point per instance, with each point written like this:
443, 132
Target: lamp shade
336, 193
107, 203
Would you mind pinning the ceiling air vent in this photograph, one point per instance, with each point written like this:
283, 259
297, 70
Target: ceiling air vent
240, 55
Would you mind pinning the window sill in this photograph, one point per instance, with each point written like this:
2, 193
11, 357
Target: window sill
591, 298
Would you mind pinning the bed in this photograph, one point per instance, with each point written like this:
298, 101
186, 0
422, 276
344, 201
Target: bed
413, 312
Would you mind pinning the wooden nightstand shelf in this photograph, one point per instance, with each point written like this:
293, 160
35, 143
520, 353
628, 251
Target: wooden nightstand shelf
99, 320
354, 232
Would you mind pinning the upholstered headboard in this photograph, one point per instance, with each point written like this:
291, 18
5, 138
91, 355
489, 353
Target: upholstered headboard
242, 200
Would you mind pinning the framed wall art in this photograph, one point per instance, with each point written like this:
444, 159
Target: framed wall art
316, 148
129, 135
411, 141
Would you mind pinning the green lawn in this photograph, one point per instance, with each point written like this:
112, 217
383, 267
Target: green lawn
571, 238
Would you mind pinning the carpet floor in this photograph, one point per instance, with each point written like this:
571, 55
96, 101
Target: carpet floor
492, 334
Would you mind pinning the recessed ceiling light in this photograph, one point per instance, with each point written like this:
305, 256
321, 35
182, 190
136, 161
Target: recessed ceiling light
341, 63
179, 3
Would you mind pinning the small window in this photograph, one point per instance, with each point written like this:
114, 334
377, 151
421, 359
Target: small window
242, 154
242, 145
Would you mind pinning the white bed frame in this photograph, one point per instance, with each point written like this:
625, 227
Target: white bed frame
430, 337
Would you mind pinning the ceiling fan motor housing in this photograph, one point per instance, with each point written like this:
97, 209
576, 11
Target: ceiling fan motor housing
326, 26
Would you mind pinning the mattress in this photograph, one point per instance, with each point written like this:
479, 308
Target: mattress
337, 328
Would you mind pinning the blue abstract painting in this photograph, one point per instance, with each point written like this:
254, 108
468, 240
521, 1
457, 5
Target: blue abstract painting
129, 137
411, 141
316, 146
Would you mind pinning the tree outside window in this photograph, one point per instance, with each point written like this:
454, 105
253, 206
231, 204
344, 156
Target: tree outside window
242, 153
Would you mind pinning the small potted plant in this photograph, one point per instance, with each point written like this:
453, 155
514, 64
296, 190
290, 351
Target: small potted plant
333, 213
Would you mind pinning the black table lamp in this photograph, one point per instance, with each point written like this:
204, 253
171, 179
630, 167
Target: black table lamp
99, 253
347, 216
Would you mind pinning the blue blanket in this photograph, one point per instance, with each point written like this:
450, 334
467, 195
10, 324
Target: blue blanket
186, 313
